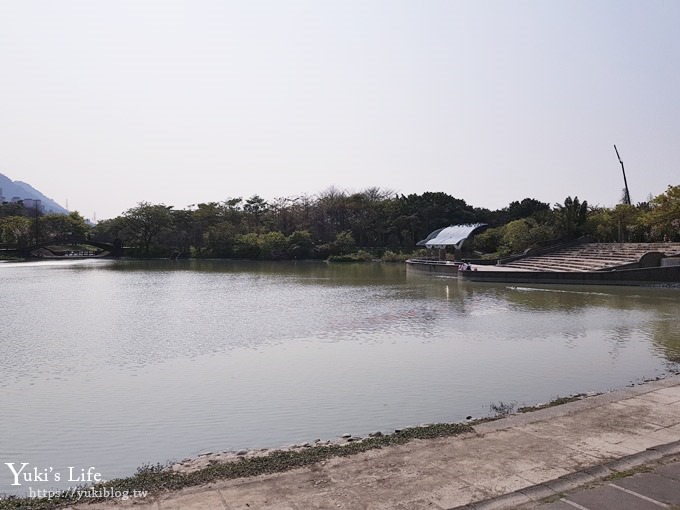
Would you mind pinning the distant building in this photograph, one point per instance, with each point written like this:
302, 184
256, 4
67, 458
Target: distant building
33, 205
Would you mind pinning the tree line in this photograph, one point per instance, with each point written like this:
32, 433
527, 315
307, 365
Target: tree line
23, 226
336, 222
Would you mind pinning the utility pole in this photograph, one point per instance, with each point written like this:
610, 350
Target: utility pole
626, 198
36, 221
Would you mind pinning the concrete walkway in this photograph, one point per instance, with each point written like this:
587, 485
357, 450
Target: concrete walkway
508, 463
653, 486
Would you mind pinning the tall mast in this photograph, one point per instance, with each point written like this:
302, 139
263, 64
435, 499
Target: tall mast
626, 198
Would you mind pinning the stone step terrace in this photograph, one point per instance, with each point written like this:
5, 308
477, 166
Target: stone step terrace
591, 257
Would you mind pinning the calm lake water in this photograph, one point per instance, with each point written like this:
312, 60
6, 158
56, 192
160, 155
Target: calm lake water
114, 364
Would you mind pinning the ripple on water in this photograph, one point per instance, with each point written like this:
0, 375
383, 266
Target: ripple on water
119, 364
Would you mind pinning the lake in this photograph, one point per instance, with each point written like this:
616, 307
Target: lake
114, 364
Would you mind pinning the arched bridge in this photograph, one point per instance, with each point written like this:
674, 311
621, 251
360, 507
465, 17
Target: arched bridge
114, 249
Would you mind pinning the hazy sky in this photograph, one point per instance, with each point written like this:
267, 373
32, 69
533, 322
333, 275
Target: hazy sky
108, 103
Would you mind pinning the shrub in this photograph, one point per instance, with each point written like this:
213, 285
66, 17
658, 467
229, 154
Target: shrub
359, 256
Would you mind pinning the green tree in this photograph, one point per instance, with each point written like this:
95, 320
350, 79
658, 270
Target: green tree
368, 218
16, 230
232, 211
77, 224
181, 237
53, 226
145, 223
528, 207
255, 208
220, 239
273, 245
300, 244
109, 230
205, 216
489, 241
344, 243
571, 217
663, 217
330, 214
625, 218
247, 246
433, 210
519, 235
13, 209
601, 225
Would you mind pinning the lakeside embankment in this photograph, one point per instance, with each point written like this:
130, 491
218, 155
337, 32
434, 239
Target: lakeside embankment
516, 460
438, 466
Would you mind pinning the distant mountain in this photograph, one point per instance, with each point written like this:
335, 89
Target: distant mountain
10, 189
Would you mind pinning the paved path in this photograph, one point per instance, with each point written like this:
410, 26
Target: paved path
656, 486
514, 462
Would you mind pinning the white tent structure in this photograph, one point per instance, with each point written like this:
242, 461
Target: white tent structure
454, 235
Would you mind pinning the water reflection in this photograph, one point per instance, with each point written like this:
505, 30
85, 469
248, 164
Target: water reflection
118, 363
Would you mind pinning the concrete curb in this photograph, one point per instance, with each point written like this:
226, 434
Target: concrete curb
578, 405
537, 493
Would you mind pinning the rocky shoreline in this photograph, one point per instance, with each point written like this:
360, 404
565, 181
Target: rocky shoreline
207, 459
210, 459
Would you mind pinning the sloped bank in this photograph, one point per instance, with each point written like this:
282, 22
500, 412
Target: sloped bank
154, 479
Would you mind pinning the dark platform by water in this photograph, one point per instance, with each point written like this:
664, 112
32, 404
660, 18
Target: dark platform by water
576, 263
